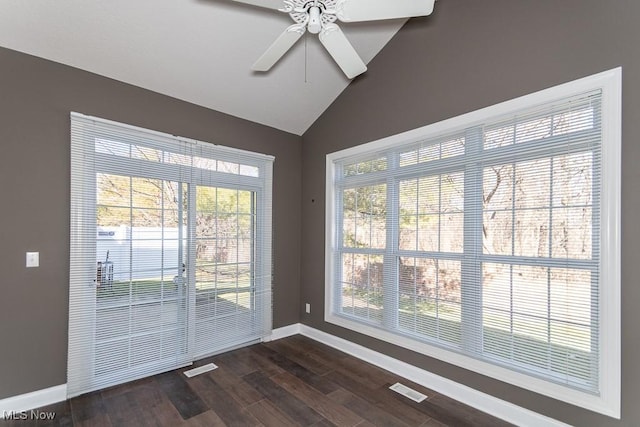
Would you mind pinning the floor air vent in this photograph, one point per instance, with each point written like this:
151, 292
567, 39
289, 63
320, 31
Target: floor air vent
200, 370
408, 392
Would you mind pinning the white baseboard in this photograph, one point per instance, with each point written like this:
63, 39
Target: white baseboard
285, 331
474, 398
33, 400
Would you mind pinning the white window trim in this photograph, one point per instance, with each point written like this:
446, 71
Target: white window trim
608, 402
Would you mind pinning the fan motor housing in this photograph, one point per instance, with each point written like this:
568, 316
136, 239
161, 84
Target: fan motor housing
304, 17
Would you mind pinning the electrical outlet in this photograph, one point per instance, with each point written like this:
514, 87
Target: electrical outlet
307, 308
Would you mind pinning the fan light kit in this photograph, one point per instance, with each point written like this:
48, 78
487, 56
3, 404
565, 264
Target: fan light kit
319, 17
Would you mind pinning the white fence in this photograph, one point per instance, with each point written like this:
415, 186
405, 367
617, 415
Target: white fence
139, 253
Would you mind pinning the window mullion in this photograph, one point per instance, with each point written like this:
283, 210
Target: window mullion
471, 287
390, 271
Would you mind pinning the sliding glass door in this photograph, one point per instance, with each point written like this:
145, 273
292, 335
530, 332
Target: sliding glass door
170, 252
140, 288
226, 310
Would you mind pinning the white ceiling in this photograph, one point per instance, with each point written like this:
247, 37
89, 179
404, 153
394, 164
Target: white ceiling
198, 51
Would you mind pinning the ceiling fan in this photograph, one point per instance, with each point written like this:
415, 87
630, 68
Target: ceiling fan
319, 16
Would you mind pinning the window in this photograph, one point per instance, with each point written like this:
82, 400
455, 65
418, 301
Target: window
490, 241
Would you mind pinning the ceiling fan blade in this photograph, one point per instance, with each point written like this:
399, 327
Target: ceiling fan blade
283, 43
372, 10
334, 40
269, 4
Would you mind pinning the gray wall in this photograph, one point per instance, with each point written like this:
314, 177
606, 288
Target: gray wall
36, 97
469, 55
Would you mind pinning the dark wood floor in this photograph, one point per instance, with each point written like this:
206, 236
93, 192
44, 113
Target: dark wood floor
290, 382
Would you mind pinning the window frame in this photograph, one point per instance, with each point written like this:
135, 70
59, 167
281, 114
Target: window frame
607, 402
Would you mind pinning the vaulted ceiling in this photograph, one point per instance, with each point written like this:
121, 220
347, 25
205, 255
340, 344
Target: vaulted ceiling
198, 51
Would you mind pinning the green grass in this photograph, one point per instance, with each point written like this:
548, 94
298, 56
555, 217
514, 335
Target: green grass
138, 289
234, 290
499, 342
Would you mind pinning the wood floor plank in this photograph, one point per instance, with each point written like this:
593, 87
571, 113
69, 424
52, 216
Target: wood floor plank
269, 415
235, 386
157, 408
340, 395
185, 400
433, 423
366, 423
329, 409
123, 408
222, 403
234, 364
206, 419
89, 410
432, 409
323, 423
253, 358
306, 359
366, 410
297, 410
463, 413
146, 404
126, 387
365, 373
405, 413
329, 354
320, 383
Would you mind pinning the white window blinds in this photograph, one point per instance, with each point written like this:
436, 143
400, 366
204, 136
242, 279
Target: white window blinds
170, 251
481, 240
